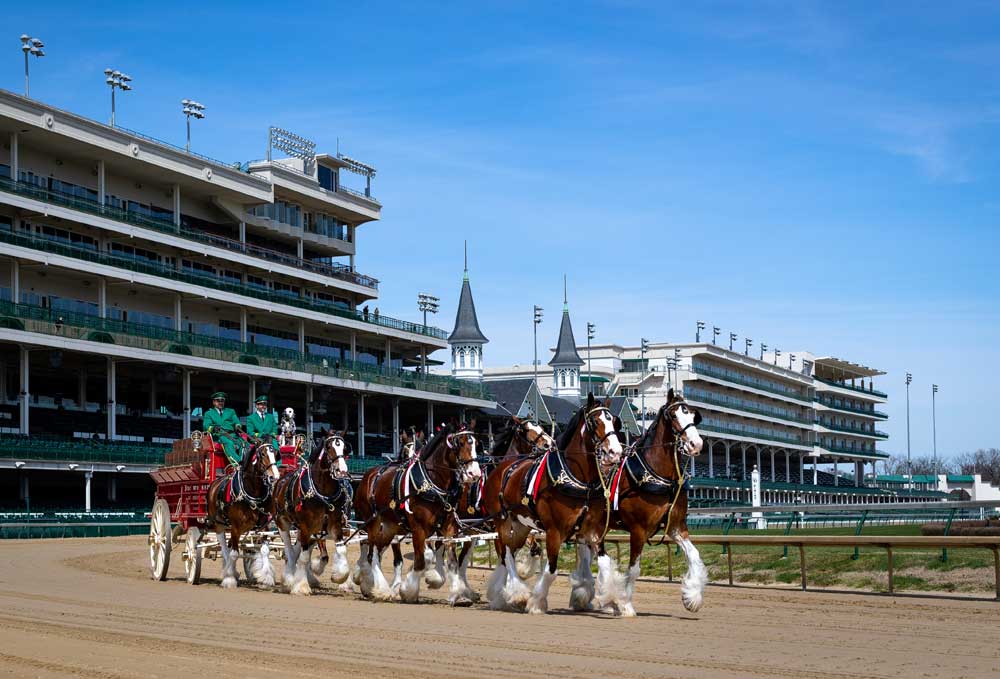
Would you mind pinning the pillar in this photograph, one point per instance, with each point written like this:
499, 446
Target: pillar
354, 346
859, 471
309, 414
81, 388
178, 313
25, 489
3, 382
345, 424
788, 466
300, 249
729, 466
815, 473
252, 392
243, 325
759, 465
243, 232
177, 206
87, 476
101, 182
113, 487
15, 275
14, 157
743, 458
102, 297
711, 465
802, 464
25, 391
836, 476
395, 425
152, 393
430, 420
112, 397
361, 425
302, 336
773, 473
388, 355
186, 400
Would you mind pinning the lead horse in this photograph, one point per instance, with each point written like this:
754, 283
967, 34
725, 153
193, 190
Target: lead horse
417, 498
563, 493
647, 494
315, 499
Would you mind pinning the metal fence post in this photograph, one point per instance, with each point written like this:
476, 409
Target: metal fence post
857, 532
730, 520
788, 531
802, 564
888, 551
947, 531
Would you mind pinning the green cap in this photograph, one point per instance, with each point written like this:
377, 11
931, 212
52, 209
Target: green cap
261, 399
219, 394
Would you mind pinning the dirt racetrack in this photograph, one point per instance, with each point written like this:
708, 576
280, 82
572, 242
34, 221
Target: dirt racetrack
87, 607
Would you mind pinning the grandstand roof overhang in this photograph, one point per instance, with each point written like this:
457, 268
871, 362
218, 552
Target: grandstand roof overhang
848, 368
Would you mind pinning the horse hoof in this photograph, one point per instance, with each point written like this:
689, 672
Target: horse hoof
627, 611
534, 608
301, 589
229, 582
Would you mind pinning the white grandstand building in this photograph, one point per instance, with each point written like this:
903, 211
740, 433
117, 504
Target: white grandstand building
136, 278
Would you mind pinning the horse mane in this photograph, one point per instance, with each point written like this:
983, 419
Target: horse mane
647, 436
566, 437
502, 442
435, 441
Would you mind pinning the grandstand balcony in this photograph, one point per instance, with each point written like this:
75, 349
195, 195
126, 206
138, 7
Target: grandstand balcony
165, 275
858, 431
89, 451
753, 433
63, 324
735, 377
163, 225
736, 403
871, 393
853, 452
845, 407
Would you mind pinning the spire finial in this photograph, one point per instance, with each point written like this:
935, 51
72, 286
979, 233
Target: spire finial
565, 294
466, 275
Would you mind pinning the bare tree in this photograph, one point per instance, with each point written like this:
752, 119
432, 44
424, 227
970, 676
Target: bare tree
923, 464
985, 461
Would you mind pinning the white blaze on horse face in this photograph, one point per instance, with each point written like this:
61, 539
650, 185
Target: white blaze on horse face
612, 444
472, 471
692, 439
271, 464
542, 440
339, 447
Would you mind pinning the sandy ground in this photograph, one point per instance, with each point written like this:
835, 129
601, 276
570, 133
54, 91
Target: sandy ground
88, 608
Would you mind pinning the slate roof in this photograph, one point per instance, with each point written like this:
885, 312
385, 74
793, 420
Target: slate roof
561, 410
566, 353
466, 323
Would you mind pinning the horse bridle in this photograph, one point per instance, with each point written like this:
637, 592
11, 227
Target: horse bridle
347, 451
679, 435
591, 429
523, 431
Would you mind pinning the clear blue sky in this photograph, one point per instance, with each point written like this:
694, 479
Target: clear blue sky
816, 176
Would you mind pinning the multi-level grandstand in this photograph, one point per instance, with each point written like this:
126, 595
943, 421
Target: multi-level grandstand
137, 278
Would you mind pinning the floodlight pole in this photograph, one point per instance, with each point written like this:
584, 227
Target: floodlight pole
934, 390
909, 464
536, 320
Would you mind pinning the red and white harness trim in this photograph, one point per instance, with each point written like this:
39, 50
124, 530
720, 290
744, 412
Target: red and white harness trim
534, 483
406, 484
616, 484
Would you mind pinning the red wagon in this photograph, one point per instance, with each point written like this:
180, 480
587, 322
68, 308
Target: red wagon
180, 508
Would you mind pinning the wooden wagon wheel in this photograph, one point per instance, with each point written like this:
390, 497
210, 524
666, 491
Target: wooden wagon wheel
192, 556
159, 540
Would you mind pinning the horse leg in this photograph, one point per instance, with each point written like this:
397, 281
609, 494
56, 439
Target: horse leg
626, 588
397, 568
301, 584
363, 575
516, 591
381, 590
318, 563
263, 572
498, 579
539, 601
609, 581
528, 559
435, 576
581, 580
340, 569
461, 583
286, 540
409, 592
694, 581
229, 580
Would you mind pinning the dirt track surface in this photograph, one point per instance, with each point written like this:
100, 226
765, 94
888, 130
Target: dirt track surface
88, 608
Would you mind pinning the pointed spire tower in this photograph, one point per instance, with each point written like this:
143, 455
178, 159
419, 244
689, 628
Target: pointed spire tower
467, 339
566, 363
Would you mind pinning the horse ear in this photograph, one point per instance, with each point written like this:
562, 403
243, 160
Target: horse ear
472, 424
607, 403
670, 395
590, 401
515, 419
697, 418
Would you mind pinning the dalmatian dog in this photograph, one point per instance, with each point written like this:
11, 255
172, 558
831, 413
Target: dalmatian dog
287, 426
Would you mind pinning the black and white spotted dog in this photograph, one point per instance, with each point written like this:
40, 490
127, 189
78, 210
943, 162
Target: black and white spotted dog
287, 426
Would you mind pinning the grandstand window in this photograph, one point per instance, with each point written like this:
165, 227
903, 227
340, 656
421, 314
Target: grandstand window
257, 282
197, 267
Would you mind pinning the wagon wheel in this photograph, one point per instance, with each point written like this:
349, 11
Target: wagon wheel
192, 556
159, 540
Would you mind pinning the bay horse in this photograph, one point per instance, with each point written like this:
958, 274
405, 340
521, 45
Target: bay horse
564, 493
314, 498
240, 501
416, 498
522, 438
648, 493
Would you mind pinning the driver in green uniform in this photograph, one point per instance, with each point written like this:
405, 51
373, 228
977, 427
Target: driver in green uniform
221, 422
262, 426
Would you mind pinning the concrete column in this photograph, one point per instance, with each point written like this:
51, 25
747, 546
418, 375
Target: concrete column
815, 473
354, 345
859, 471
711, 466
743, 458
25, 391
15, 276
3, 381
177, 206
186, 400
87, 477
101, 182
728, 463
345, 423
836, 478
395, 425
388, 353
113, 487
81, 389
309, 414
25, 494
15, 161
361, 425
252, 392
243, 324
300, 249
802, 464
178, 313
102, 297
788, 466
759, 465
112, 399
302, 336
430, 420
773, 473
152, 393
243, 232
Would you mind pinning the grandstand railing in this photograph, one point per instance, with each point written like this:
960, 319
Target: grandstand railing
850, 409
860, 390
87, 450
740, 404
747, 381
134, 218
721, 429
214, 282
853, 430
155, 338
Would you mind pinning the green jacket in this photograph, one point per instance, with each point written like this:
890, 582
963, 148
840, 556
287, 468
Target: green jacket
262, 427
225, 422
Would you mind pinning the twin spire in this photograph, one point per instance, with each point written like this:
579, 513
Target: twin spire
566, 354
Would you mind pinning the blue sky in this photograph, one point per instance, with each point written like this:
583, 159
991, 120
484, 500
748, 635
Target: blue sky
816, 176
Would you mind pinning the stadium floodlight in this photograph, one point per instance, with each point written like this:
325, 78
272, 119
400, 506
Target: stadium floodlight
934, 391
715, 333
777, 353
33, 46
732, 338
699, 326
909, 465
763, 348
749, 343
591, 334
191, 109
116, 80
426, 303
536, 321
293, 145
